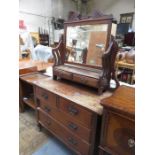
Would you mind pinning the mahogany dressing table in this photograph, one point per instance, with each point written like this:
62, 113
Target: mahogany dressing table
71, 112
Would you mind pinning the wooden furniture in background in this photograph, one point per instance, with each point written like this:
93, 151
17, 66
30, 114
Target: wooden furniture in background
43, 37
118, 123
36, 36
69, 111
122, 64
28, 63
97, 77
129, 39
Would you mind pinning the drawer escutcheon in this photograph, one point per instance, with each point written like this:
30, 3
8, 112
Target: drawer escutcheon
72, 126
72, 110
47, 109
45, 96
72, 141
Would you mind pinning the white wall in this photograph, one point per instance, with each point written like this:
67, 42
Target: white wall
46, 9
34, 7
60, 8
116, 7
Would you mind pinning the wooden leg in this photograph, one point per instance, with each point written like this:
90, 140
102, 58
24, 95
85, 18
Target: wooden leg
114, 77
103, 85
54, 77
39, 127
117, 82
100, 90
21, 109
21, 106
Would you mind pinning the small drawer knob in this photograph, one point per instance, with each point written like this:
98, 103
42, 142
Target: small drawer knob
72, 110
72, 141
131, 143
45, 96
48, 123
47, 109
72, 126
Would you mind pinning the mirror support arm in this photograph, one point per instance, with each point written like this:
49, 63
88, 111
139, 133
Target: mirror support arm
108, 66
58, 53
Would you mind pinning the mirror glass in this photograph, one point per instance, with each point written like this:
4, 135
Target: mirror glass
85, 44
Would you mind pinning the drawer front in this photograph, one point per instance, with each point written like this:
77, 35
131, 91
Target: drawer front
85, 80
119, 135
61, 132
101, 152
77, 112
46, 96
72, 124
63, 74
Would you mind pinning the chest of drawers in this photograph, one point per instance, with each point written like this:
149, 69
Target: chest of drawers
118, 123
71, 112
71, 123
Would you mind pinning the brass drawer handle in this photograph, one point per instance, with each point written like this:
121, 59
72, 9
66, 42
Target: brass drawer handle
72, 110
72, 126
47, 109
45, 96
72, 141
131, 143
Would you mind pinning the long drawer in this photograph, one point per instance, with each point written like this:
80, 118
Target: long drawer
85, 80
63, 74
73, 141
68, 121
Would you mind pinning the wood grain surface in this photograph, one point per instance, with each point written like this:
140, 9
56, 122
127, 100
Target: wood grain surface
82, 95
122, 100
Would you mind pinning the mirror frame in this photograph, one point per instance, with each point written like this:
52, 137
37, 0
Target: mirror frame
90, 21
94, 76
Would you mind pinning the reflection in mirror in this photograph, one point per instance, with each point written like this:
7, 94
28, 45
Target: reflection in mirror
85, 44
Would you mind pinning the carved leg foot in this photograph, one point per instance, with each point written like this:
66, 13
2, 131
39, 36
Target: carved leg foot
117, 82
100, 90
21, 110
21, 107
54, 77
39, 127
114, 77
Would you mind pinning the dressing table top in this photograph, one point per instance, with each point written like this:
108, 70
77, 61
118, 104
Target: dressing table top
82, 95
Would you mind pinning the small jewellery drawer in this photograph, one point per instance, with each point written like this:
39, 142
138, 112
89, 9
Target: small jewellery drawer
70, 123
85, 80
63, 74
45, 95
120, 135
62, 133
77, 112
